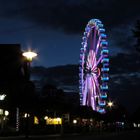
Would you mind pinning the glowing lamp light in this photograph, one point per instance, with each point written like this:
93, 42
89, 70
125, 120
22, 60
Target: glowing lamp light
46, 117
74, 121
6, 113
2, 97
110, 104
29, 55
26, 115
36, 120
54, 121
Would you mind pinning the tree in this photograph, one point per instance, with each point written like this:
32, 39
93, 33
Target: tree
52, 98
136, 33
118, 113
136, 115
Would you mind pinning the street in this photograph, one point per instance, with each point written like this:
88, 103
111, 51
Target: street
129, 135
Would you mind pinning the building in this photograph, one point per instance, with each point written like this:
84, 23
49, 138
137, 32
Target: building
11, 64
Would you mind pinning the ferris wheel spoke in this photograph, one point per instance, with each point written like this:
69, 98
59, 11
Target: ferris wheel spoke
97, 63
91, 41
95, 81
91, 61
94, 38
99, 60
94, 86
98, 45
91, 90
93, 97
88, 63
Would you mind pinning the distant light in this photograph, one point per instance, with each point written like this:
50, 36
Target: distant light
134, 124
74, 121
29, 55
54, 121
26, 115
46, 117
58, 119
6, 113
36, 121
2, 97
122, 123
110, 103
1, 111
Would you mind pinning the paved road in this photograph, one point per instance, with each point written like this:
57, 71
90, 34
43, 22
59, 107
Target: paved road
131, 135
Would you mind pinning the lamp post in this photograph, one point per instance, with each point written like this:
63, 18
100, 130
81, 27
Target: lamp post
29, 55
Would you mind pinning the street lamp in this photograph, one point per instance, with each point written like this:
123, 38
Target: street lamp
29, 55
110, 104
74, 121
6, 113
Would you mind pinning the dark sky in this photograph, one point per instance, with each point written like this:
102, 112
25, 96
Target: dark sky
54, 28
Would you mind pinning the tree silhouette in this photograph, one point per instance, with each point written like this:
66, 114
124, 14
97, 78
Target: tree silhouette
136, 115
136, 33
52, 98
118, 113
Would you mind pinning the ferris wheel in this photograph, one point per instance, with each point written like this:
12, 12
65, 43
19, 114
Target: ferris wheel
94, 67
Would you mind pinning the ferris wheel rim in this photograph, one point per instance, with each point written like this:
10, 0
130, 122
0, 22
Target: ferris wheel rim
95, 46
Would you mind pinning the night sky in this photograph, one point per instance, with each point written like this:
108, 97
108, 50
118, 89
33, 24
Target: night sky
54, 28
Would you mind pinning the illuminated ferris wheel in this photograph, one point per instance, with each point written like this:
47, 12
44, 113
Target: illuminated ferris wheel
94, 67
